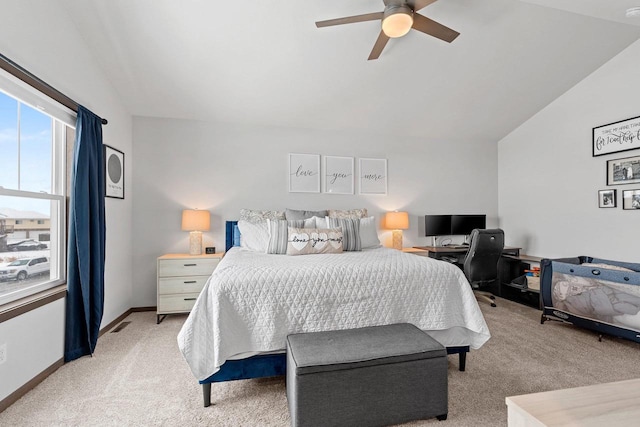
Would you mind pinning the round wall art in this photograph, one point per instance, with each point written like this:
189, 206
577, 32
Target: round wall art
114, 172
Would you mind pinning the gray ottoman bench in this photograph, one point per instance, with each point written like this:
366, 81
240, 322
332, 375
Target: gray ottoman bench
372, 376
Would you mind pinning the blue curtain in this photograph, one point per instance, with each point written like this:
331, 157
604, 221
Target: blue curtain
86, 251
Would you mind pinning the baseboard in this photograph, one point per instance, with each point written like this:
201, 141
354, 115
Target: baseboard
16, 395
139, 309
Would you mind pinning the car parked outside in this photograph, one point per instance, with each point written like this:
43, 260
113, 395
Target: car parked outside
21, 269
27, 245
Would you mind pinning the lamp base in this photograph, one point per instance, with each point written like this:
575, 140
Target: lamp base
195, 243
397, 239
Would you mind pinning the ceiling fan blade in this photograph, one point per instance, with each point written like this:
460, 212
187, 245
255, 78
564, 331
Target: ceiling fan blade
350, 19
433, 28
380, 44
416, 5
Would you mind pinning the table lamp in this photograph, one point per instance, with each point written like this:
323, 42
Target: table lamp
397, 221
196, 222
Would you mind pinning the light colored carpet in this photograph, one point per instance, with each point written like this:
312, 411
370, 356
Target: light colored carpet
138, 377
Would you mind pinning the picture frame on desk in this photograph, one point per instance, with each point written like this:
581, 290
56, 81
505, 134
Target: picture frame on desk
623, 171
607, 198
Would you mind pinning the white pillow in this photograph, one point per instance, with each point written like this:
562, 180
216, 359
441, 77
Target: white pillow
369, 233
320, 222
254, 236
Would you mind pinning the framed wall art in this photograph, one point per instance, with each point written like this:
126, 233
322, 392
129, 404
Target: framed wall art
114, 172
338, 175
607, 199
616, 137
631, 200
623, 171
304, 173
373, 176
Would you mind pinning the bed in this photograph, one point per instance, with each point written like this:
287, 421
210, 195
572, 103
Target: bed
239, 323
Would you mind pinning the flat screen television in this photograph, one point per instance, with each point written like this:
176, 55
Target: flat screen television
463, 225
437, 225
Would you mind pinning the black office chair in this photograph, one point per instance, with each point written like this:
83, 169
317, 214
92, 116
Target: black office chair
481, 262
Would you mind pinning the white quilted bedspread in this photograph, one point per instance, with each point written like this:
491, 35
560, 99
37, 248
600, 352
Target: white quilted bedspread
253, 301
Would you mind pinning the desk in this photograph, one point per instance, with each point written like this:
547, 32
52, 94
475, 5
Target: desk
610, 404
511, 266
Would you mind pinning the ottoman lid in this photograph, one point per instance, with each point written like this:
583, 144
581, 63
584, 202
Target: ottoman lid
350, 348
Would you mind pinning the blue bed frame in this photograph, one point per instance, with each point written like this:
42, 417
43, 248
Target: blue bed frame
268, 365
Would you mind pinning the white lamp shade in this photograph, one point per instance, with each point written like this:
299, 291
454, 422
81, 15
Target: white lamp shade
195, 220
397, 220
397, 24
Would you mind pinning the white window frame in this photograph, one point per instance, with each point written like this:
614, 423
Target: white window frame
61, 116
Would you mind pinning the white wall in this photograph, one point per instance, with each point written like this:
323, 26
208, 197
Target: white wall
40, 37
225, 167
548, 179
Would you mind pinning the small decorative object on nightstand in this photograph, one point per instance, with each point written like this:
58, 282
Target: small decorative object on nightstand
181, 277
196, 222
397, 221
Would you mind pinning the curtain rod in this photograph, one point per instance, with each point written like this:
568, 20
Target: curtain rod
33, 81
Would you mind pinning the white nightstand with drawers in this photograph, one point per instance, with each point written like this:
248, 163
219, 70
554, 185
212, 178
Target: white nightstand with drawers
181, 277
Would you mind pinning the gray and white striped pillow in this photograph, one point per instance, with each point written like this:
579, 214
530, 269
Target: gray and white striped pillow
350, 230
279, 233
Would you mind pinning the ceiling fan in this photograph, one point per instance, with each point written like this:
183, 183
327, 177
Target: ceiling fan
398, 17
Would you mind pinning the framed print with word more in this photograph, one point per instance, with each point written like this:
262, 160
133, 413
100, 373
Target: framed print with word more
304, 173
607, 199
373, 176
338, 175
114, 172
616, 137
623, 171
631, 200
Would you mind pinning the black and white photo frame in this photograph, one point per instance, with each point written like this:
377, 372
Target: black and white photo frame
631, 200
607, 198
114, 172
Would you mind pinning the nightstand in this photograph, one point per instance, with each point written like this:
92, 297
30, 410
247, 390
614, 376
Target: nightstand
181, 277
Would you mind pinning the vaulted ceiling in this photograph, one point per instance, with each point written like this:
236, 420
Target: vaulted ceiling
267, 63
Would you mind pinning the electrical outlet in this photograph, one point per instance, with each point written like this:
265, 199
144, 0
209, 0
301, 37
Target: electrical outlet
3, 353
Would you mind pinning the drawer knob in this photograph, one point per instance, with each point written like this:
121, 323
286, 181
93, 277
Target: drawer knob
189, 299
189, 281
190, 265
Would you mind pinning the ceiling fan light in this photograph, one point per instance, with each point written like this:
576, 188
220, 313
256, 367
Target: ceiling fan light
397, 21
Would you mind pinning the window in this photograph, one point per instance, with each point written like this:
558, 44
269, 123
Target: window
32, 194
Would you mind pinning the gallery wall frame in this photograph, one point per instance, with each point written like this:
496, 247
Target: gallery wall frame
372, 176
616, 137
338, 175
631, 200
607, 198
623, 171
304, 173
114, 172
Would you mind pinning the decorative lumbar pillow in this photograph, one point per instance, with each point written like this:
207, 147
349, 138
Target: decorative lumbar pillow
369, 233
303, 241
279, 232
351, 231
293, 214
350, 213
259, 216
254, 236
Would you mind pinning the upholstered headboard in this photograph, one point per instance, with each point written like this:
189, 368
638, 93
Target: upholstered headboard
232, 235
